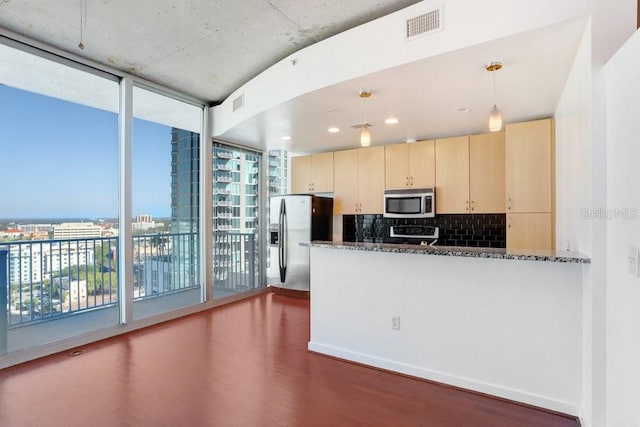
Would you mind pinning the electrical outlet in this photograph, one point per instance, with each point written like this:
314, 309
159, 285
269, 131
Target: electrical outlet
395, 323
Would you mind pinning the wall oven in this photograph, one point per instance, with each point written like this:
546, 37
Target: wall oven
414, 203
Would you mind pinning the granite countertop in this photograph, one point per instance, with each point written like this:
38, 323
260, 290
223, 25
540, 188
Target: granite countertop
497, 253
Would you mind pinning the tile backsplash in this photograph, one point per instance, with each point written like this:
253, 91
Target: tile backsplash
476, 230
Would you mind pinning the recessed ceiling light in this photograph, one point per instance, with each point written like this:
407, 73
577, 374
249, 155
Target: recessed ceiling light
334, 129
411, 140
391, 121
463, 110
286, 138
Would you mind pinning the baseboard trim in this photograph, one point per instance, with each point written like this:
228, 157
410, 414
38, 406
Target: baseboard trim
519, 396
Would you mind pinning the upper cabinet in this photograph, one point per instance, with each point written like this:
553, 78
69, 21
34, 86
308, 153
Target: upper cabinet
312, 174
360, 177
452, 175
529, 166
470, 174
487, 173
410, 165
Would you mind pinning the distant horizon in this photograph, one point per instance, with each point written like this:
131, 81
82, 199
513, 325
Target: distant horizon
74, 219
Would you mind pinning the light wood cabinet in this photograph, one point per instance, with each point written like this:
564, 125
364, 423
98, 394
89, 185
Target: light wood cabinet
345, 174
452, 175
312, 173
359, 178
410, 165
487, 173
530, 189
529, 231
371, 180
529, 148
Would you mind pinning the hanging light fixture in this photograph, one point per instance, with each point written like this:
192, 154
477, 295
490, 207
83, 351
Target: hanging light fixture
365, 136
495, 117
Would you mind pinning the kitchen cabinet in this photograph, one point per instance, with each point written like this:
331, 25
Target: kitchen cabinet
487, 173
359, 177
530, 189
452, 175
529, 166
470, 174
410, 165
529, 231
312, 174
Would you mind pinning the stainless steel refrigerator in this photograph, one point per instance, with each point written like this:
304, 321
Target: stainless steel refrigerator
294, 221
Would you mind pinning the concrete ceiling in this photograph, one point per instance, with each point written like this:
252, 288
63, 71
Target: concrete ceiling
205, 49
208, 49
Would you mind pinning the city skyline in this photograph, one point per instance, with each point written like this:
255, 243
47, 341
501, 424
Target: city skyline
51, 172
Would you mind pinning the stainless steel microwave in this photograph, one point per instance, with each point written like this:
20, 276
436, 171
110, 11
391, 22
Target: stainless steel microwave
414, 203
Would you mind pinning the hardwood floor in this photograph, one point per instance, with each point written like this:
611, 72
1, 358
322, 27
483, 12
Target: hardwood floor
243, 364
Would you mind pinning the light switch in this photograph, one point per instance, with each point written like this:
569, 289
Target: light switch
633, 261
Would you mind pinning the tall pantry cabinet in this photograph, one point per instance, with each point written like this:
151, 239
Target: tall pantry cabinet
530, 185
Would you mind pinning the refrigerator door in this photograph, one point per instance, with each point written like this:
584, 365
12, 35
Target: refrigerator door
290, 266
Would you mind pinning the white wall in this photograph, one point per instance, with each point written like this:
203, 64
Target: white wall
574, 193
380, 44
504, 327
573, 154
623, 289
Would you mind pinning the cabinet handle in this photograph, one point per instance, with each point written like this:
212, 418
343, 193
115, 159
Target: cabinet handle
509, 203
473, 205
467, 207
509, 222
411, 181
406, 181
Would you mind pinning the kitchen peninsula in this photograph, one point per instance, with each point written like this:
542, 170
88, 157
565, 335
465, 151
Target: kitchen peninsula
491, 320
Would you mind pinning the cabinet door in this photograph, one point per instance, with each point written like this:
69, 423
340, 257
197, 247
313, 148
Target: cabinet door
300, 174
371, 180
452, 175
345, 192
529, 231
322, 173
528, 163
486, 173
396, 166
422, 164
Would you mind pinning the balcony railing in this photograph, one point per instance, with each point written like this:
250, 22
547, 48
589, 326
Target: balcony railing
235, 261
48, 279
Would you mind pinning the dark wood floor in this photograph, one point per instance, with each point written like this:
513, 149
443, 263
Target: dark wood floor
244, 364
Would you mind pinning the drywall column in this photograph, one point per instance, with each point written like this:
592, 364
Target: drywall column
125, 242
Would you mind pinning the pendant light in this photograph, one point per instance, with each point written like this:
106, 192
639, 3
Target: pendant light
365, 136
495, 117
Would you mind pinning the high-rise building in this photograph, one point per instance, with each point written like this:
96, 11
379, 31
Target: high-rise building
180, 269
277, 174
236, 212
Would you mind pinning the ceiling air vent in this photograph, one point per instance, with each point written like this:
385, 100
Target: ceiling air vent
238, 102
426, 23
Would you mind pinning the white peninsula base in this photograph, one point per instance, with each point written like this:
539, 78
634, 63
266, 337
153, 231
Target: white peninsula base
507, 327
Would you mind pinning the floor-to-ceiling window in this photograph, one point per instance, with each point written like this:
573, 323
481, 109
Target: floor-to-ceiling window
59, 209
236, 220
166, 143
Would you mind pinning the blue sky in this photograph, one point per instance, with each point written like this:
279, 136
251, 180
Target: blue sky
60, 160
